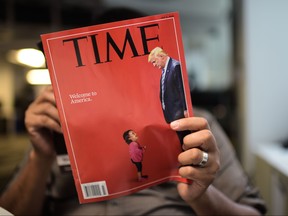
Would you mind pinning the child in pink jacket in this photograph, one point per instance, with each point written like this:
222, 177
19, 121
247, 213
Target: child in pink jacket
135, 151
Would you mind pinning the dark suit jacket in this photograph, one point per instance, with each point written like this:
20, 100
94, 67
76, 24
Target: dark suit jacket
174, 97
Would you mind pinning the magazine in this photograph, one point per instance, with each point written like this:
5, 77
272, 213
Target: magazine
116, 98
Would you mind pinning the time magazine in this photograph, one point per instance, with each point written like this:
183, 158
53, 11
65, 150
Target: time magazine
117, 88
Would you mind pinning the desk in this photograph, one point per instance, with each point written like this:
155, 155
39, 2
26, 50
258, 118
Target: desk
271, 176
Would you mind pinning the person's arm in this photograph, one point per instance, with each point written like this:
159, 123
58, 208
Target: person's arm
25, 194
201, 195
213, 200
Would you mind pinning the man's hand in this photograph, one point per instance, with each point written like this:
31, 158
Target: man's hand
200, 140
41, 119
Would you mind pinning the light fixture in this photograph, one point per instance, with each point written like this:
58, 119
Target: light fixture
38, 77
28, 56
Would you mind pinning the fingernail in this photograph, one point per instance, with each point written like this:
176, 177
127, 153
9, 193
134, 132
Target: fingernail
174, 124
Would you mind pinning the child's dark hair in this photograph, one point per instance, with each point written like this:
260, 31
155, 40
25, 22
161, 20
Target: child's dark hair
126, 136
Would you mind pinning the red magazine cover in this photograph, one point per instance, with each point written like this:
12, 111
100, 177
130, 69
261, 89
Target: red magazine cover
116, 94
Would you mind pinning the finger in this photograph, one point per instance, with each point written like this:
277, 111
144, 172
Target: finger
42, 115
192, 123
191, 157
47, 109
202, 139
198, 173
35, 122
44, 108
47, 95
201, 176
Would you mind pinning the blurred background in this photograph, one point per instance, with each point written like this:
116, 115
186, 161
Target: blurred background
236, 55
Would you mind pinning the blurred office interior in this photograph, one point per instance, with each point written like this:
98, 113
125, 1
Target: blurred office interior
236, 61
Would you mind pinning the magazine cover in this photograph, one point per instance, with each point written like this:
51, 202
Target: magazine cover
117, 88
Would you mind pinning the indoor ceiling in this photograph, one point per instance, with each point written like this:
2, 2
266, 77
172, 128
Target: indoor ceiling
22, 21
66, 12
49, 12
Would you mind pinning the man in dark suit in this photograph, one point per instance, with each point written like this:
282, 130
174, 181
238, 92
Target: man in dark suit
172, 95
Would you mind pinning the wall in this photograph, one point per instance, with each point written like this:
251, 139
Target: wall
206, 29
265, 86
6, 89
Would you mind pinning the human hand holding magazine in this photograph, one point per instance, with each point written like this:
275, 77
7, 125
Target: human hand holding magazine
117, 88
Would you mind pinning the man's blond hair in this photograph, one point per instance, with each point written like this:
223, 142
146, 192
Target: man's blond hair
156, 52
